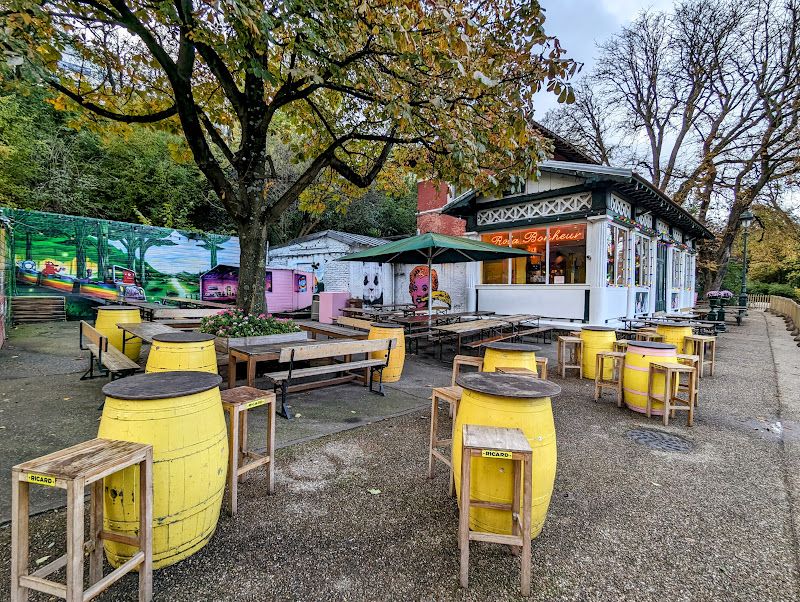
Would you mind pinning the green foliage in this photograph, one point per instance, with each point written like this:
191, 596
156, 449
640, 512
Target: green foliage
237, 323
128, 173
772, 288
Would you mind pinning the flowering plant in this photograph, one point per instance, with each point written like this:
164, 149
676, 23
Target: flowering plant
236, 323
723, 294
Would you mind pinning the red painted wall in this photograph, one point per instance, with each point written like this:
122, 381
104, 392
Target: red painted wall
433, 195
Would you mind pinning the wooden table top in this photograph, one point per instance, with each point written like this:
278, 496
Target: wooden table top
145, 330
272, 351
198, 302
332, 330
441, 317
472, 326
517, 318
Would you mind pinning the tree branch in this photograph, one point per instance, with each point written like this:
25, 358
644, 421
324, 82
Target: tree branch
124, 118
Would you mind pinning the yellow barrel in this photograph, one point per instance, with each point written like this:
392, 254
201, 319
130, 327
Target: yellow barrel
510, 401
180, 415
635, 373
596, 338
108, 316
674, 332
509, 355
182, 351
397, 358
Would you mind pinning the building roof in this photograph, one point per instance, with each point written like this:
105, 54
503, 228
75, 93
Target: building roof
622, 180
564, 148
343, 237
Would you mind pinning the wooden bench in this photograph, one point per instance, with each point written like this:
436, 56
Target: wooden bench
171, 313
284, 379
414, 337
546, 332
354, 323
110, 360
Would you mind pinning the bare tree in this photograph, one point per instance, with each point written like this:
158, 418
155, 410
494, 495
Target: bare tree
713, 89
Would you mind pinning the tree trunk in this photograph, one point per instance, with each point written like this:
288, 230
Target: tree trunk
102, 250
252, 267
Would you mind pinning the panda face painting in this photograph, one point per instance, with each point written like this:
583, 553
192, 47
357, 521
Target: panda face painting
373, 291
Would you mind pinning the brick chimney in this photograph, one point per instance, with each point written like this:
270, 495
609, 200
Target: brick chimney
431, 197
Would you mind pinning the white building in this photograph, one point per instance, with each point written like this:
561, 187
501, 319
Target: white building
605, 244
373, 282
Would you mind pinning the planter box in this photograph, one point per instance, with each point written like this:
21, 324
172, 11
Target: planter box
221, 344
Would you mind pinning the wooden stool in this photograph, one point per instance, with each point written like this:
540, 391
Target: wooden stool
517, 370
505, 443
541, 365
703, 346
648, 335
620, 346
570, 355
617, 359
73, 469
236, 402
694, 362
671, 399
450, 395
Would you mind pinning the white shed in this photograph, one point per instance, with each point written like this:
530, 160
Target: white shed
370, 281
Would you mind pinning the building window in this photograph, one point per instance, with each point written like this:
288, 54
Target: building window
677, 268
616, 263
557, 256
641, 258
495, 272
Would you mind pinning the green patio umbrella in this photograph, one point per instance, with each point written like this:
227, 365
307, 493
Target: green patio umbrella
434, 248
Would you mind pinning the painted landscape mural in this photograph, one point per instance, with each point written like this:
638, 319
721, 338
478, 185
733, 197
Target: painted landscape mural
86, 258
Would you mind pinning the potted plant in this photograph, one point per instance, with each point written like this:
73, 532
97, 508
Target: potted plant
234, 327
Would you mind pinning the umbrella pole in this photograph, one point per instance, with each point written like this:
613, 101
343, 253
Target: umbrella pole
430, 291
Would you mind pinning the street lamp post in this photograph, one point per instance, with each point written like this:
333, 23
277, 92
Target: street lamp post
746, 220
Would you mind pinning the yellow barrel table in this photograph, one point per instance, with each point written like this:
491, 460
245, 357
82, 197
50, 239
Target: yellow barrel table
173, 351
595, 339
509, 355
674, 332
397, 356
636, 370
512, 401
180, 415
108, 316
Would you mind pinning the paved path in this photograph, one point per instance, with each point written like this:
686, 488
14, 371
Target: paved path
626, 522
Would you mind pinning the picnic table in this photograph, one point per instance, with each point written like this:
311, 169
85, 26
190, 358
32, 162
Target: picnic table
146, 307
252, 354
465, 329
410, 321
333, 331
196, 302
142, 330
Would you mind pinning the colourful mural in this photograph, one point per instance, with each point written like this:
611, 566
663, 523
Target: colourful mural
285, 289
418, 287
86, 258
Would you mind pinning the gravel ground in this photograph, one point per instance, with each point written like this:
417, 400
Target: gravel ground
626, 522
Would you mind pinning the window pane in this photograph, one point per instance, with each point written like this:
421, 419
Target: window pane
610, 254
642, 261
529, 270
495, 272
622, 248
567, 254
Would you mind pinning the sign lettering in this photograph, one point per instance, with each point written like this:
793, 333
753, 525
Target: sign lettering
40, 479
494, 453
533, 237
255, 403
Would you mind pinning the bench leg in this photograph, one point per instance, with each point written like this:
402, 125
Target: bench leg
90, 372
380, 390
286, 411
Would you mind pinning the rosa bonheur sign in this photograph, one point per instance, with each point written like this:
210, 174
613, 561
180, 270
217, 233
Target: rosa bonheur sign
538, 237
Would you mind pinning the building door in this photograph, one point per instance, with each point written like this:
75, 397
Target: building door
661, 277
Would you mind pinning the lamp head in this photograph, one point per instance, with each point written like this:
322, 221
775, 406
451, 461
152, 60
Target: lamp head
746, 219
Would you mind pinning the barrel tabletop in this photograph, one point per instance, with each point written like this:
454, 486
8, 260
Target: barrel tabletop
506, 346
116, 308
650, 345
672, 323
161, 385
183, 337
508, 385
598, 328
385, 325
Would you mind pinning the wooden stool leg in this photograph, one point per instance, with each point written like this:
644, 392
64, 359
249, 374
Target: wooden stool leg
619, 367
463, 519
667, 395
95, 527
713, 357
516, 529
451, 488
146, 528
692, 396
700, 348
233, 461
75, 492
527, 498
271, 448
649, 407
434, 420
598, 375
243, 441
20, 491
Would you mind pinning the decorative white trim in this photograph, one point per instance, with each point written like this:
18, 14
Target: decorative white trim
556, 206
619, 207
646, 220
662, 227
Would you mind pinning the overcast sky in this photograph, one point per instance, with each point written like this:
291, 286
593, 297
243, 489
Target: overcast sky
580, 24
